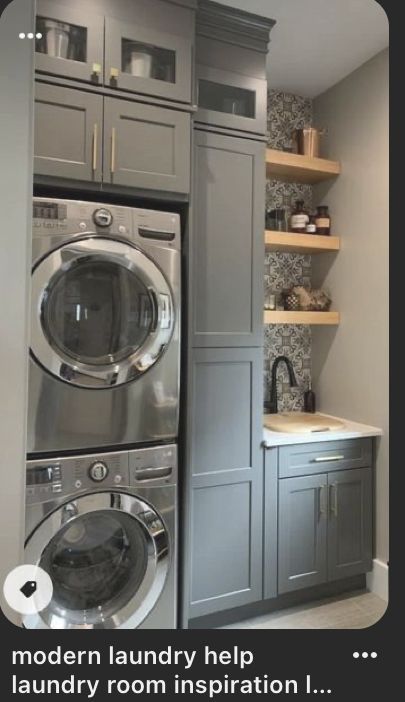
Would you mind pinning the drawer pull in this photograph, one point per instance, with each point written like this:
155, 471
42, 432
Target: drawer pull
327, 459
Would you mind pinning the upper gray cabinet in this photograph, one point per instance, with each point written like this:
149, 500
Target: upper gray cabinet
231, 51
140, 46
71, 43
146, 146
143, 60
227, 249
227, 99
68, 133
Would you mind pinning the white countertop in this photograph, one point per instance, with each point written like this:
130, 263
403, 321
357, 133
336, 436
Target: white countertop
351, 430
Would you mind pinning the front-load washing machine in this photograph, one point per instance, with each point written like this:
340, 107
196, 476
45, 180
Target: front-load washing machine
105, 327
104, 529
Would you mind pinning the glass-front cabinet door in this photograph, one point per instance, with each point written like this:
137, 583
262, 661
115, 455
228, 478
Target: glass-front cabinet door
145, 61
227, 99
69, 43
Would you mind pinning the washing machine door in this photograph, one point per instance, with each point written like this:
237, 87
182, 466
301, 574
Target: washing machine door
102, 313
107, 555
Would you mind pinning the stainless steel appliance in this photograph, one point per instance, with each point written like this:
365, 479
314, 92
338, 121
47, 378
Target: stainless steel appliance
105, 327
104, 528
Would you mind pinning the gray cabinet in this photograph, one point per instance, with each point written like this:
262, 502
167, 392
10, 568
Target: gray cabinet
270, 524
68, 133
325, 527
141, 146
224, 550
144, 60
227, 251
229, 99
146, 146
302, 524
71, 43
350, 523
142, 46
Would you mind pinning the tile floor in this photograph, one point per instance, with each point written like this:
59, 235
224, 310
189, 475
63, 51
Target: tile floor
357, 610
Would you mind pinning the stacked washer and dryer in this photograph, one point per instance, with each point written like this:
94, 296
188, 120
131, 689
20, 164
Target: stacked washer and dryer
101, 495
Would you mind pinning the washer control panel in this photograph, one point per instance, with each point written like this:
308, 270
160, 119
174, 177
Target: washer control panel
53, 480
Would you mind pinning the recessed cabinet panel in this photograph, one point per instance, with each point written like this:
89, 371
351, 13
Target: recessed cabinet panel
302, 525
142, 60
146, 147
227, 249
70, 43
221, 541
350, 527
222, 392
68, 133
227, 99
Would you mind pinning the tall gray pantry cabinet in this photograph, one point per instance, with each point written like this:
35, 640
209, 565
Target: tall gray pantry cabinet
224, 480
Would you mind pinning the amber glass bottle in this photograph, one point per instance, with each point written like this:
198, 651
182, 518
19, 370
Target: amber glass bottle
322, 220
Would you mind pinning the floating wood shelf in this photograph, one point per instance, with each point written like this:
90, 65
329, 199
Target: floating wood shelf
285, 317
282, 165
288, 242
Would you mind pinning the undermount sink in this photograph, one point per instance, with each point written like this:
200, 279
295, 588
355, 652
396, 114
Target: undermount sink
301, 422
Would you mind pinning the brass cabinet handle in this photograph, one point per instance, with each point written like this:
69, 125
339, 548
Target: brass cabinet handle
95, 146
322, 507
334, 499
113, 149
327, 459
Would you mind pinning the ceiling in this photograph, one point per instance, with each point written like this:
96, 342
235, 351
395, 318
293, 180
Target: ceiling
316, 43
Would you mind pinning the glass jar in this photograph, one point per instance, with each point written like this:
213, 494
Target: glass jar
299, 218
311, 226
323, 220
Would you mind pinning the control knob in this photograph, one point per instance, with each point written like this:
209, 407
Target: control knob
102, 217
98, 472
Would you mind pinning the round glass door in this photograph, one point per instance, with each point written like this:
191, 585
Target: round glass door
107, 566
102, 313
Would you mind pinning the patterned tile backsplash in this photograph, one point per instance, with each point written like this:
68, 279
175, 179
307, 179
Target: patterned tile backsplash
285, 113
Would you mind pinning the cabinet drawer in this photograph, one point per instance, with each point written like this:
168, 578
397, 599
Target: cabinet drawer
321, 457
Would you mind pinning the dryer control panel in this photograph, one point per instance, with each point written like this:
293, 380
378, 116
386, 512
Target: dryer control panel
50, 480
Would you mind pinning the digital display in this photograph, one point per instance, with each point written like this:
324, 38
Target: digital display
40, 475
49, 210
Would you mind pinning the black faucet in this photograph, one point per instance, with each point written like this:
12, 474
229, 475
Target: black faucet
272, 405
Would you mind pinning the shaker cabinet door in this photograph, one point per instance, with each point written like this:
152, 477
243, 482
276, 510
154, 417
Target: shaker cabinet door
143, 60
302, 536
350, 523
223, 541
146, 147
71, 43
227, 247
68, 133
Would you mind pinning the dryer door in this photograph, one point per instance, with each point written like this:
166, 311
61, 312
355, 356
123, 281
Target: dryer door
102, 313
107, 555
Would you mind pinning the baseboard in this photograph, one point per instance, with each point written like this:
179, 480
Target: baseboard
377, 579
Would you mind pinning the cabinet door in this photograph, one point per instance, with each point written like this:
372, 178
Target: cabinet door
68, 133
228, 99
227, 247
270, 521
224, 536
146, 146
71, 43
302, 539
350, 523
143, 60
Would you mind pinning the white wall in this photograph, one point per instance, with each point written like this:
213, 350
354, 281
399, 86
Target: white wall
16, 76
350, 364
